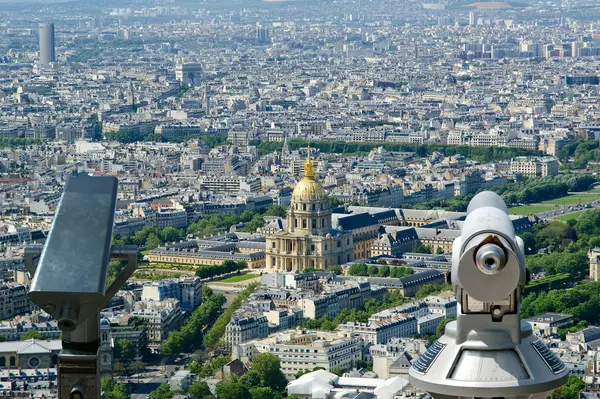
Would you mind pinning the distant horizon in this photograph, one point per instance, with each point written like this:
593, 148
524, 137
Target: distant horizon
35, 1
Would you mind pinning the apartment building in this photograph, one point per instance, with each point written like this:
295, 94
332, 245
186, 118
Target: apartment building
533, 166
396, 356
330, 303
230, 184
381, 330
395, 242
245, 327
594, 257
13, 300
283, 319
304, 350
188, 291
162, 317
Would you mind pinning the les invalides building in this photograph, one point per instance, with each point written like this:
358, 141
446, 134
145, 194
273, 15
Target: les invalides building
306, 238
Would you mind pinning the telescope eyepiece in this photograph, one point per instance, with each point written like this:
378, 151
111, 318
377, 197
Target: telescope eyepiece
490, 258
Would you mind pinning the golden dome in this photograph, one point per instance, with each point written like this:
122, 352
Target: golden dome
308, 189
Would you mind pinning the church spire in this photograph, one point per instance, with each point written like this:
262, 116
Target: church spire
309, 170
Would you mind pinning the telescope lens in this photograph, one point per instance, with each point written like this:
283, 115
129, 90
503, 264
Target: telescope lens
490, 258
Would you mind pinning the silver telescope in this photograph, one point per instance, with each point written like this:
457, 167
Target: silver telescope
488, 352
70, 276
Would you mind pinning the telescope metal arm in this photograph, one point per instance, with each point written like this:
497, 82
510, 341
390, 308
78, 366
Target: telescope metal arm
129, 253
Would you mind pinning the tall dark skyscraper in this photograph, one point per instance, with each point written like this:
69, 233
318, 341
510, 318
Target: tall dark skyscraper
47, 44
262, 34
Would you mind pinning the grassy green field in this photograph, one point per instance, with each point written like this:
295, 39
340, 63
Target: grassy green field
570, 216
571, 199
528, 209
237, 279
594, 190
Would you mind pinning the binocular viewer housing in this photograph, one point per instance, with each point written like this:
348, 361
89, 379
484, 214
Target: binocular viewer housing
70, 271
488, 352
70, 277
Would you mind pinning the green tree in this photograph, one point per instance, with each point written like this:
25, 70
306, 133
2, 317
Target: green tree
337, 269
334, 201
439, 250
115, 267
107, 384
432, 289
124, 350
358, 269
187, 336
120, 392
199, 390
206, 292
337, 370
251, 379
268, 367
373, 270
216, 332
32, 334
153, 241
292, 396
264, 393
162, 392
570, 390
119, 239
112, 390
231, 389
530, 242
276, 210
118, 367
423, 249
137, 366
169, 234
384, 271
441, 328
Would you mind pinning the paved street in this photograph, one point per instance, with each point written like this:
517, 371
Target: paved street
566, 209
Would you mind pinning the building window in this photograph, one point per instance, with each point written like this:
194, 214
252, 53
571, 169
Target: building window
313, 207
323, 223
13, 361
303, 223
312, 247
303, 207
314, 223
339, 244
325, 247
295, 222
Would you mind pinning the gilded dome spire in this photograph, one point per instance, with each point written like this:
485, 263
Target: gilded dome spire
309, 170
308, 189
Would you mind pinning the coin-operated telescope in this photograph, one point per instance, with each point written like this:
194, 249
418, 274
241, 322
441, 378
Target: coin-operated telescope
70, 277
488, 352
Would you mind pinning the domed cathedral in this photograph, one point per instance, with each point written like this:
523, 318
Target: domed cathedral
307, 239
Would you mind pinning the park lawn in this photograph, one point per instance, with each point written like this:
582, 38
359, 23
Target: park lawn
237, 279
570, 216
528, 209
571, 199
595, 190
